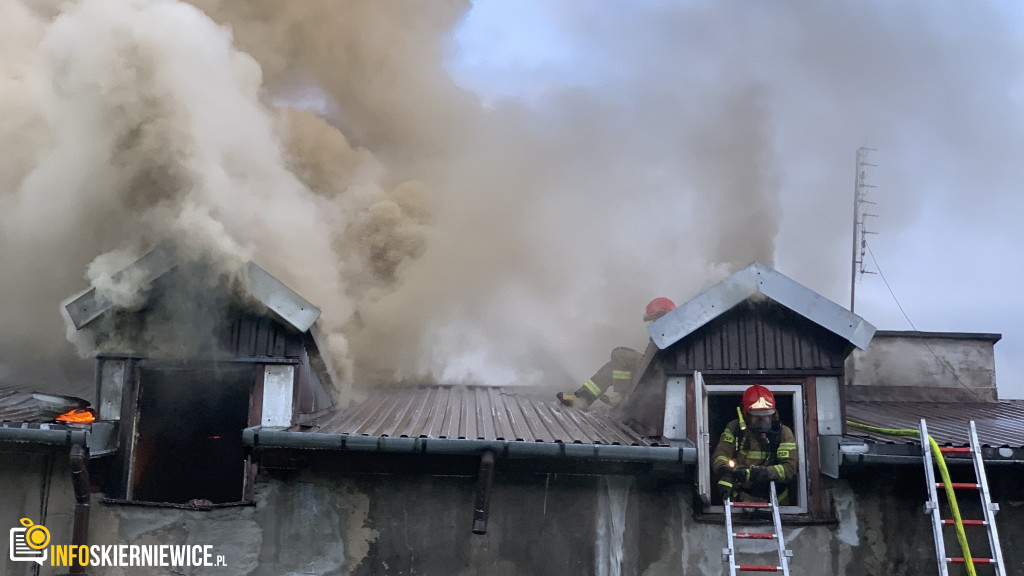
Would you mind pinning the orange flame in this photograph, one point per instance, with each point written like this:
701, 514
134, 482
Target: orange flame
78, 416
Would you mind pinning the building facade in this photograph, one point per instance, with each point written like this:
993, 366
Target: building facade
473, 480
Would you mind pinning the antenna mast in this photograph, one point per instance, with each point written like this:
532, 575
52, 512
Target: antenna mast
860, 192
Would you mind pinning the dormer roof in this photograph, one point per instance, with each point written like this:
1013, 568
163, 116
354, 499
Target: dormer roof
285, 303
755, 280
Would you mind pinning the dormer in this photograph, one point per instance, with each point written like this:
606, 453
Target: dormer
196, 355
755, 327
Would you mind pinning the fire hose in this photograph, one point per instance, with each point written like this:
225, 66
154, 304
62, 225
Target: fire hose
961, 536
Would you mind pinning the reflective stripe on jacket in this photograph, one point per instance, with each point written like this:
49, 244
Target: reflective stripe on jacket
617, 372
745, 449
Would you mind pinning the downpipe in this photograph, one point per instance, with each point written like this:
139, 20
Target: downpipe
80, 482
482, 504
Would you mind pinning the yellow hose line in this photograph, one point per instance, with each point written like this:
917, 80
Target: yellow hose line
961, 536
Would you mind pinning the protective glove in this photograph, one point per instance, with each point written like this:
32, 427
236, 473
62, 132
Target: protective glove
740, 474
725, 486
757, 475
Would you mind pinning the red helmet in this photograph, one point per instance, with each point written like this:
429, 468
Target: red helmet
758, 400
657, 308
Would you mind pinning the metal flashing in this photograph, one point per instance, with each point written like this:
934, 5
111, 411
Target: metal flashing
755, 279
271, 292
279, 298
91, 304
986, 336
102, 438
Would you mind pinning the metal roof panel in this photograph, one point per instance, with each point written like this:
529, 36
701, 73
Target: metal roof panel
999, 423
23, 406
474, 413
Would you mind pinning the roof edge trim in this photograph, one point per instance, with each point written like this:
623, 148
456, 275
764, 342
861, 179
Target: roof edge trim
280, 299
993, 337
754, 279
264, 287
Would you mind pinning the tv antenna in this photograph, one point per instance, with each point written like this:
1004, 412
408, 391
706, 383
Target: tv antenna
860, 215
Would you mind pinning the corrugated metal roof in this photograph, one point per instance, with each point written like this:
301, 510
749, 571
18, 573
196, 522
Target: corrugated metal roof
21, 406
999, 423
475, 413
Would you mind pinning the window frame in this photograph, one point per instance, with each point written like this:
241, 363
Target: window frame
702, 391
282, 370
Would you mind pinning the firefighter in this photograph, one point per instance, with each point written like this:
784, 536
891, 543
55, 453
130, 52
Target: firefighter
756, 449
611, 381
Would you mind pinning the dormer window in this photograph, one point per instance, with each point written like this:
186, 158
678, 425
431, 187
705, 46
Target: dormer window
717, 407
191, 367
754, 327
187, 446
181, 425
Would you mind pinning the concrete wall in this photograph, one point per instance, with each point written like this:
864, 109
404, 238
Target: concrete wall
912, 365
37, 487
638, 525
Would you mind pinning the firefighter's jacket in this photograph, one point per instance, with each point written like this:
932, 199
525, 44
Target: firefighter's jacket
616, 372
745, 448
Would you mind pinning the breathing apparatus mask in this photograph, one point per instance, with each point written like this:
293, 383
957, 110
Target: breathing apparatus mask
761, 423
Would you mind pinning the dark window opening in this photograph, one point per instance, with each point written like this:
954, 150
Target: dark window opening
188, 445
721, 410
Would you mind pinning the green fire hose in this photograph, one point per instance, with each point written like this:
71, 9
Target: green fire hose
961, 536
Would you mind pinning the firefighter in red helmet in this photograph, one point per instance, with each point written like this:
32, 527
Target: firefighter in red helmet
610, 382
657, 308
754, 450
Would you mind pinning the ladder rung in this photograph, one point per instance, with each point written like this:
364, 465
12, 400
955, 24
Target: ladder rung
951, 522
958, 485
955, 449
960, 560
751, 504
755, 535
755, 568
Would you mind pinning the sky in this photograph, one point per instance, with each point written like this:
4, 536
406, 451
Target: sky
934, 87
490, 192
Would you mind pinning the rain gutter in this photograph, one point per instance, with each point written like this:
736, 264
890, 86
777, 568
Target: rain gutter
66, 437
910, 455
100, 437
258, 437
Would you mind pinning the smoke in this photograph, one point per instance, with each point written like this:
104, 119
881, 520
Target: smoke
539, 253
157, 132
449, 233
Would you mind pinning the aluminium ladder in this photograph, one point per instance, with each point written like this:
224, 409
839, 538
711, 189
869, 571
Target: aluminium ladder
988, 508
729, 553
